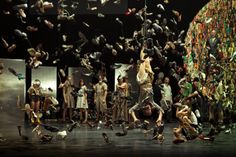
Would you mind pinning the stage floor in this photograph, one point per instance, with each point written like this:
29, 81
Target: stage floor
86, 141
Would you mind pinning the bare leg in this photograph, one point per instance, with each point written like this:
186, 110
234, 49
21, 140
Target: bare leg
186, 120
46, 104
220, 116
70, 113
80, 114
98, 116
98, 111
114, 113
86, 116
64, 113
211, 112
37, 106
4, 42
178, 137
141, 71
33, 109
33, 105
186, 123
134, 116
177, 132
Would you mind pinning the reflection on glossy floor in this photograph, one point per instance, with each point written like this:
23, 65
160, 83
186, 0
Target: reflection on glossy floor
86, 141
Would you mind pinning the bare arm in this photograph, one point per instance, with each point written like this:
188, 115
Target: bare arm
41, 91
85, 93
159, 119
30, 91
193, 94
123, 85
182, 112
105, 93
181, 81
65, 88
142, 54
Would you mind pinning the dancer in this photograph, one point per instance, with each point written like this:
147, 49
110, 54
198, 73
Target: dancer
68, 98
82, 103
188, 127
35, 94
145, 78
120, 107
100, 96
167, 101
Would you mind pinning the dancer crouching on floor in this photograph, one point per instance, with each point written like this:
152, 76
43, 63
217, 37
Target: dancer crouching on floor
187, 129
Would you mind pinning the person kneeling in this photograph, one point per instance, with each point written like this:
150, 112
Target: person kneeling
188, 127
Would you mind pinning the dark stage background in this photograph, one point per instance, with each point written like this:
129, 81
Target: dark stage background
108, 26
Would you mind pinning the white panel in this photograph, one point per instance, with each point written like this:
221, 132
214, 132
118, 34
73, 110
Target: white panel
12, 87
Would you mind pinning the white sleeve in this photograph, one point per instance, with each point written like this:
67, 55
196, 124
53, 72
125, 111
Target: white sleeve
181, 80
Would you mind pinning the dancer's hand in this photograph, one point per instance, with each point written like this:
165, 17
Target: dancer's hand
66, 102
136, 120
158, 122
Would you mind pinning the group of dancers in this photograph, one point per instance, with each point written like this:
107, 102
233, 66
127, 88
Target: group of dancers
187, 104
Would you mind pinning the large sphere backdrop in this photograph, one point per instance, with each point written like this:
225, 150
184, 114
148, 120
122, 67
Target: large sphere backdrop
218, 16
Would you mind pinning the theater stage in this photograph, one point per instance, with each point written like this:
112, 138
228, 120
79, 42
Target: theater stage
87, 141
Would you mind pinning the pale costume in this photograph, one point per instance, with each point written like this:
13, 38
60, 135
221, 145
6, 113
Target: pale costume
100, 96
68, 98
81, 98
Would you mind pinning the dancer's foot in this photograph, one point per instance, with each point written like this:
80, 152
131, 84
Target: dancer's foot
161, 138
178, 140
84, 122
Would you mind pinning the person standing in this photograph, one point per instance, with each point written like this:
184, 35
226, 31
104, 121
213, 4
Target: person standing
35, 93
68, 98
120, 108
216, 114
167, 101
212, 44
82, 103
100, 96
127, 87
